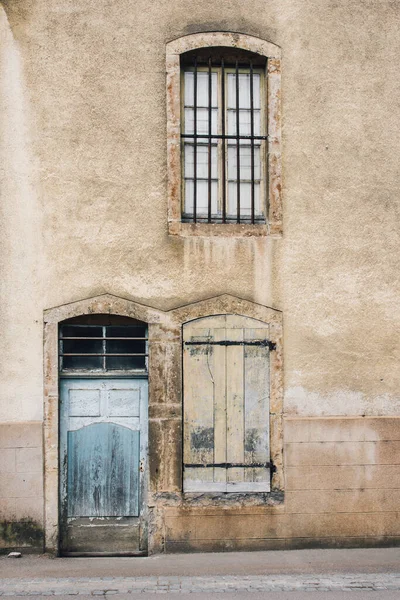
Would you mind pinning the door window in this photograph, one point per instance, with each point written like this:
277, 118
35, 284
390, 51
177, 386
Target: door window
101, 348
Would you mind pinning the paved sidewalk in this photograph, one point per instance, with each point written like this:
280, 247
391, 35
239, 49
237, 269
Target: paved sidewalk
70, 586
302, 570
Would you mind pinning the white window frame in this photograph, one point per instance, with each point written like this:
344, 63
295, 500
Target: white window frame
260, 215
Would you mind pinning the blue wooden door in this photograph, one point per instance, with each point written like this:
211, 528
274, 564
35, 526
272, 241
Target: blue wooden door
103, 439
103, 471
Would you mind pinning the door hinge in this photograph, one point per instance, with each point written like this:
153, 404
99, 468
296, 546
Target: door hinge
264, 343
264, 465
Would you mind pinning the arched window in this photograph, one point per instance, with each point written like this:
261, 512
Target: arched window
103, 344
226, 371
224, 135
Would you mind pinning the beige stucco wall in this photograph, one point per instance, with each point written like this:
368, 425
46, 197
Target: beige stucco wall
341, 476
83, 187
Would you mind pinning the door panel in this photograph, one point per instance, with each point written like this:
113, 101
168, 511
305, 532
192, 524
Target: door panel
103, 454
103, 471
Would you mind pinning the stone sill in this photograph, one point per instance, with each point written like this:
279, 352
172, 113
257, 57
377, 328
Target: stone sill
178, 228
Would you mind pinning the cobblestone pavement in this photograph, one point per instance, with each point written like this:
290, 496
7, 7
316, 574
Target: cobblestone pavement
108, 586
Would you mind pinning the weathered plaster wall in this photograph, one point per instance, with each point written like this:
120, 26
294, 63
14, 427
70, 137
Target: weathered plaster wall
341, 490
84, 126
21, 256
83, 189
21, 486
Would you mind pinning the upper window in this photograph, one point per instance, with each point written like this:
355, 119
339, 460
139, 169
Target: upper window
223, 135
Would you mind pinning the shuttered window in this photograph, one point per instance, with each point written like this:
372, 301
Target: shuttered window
226, 405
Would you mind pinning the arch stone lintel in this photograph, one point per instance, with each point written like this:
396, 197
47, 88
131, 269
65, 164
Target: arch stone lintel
223, 38
226, 304
104, 304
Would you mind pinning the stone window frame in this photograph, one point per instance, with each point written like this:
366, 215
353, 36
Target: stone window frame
225, 305
174, 49
165, 399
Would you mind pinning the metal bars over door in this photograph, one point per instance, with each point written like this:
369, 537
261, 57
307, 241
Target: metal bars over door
224, 140
226, 405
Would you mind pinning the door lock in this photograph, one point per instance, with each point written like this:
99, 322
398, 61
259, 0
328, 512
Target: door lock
141, 466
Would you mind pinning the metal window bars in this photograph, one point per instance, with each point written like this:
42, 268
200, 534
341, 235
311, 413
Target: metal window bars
103, 348
235, 187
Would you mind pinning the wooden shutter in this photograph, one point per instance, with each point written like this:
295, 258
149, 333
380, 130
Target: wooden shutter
226, 405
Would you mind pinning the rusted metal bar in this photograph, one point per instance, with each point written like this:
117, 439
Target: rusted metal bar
104, 344
209, 136
265, 465
104, 338
265, 343
237, 146
225, 137
252, 141
223, 182
195, 142
103, 354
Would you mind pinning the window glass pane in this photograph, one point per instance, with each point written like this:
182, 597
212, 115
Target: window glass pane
202, 121
231, 204
123, 363
245, 199
232, 167
125, 346
82, 362
244, 90
189, 120
189, 160
202, 197
245, 162
189, 84
82, 346
231, 117
244, 122
202, 88
202, 161
125, 331
81, 331
188, 205
256, 90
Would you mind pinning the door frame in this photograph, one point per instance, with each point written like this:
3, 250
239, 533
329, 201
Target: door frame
105, 304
